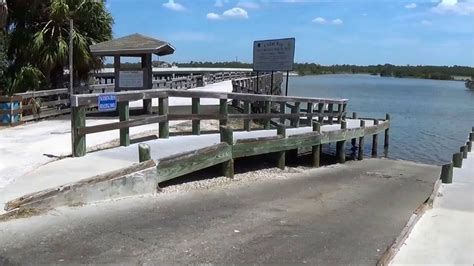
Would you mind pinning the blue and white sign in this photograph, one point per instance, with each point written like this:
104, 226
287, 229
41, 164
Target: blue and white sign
107, 103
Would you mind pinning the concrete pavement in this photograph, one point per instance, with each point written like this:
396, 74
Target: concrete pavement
332, 215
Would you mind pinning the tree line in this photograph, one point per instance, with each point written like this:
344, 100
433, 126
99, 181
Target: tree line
386, 70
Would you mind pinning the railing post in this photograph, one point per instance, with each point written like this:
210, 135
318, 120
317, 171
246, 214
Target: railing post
387, 136
464, 151
354, 140
360, 156
196, 124
316, 149
227, 137
457, 159
124, 115
79, 120
281, 156
247, 110
321, 113
447, 173
282, 111
375, 140
340, 111
223, 111
144, 153
309, 113
296, 110
330, 113
268, 110
163, 109
341, 145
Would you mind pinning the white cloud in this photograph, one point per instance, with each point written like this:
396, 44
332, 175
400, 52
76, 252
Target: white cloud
172, 5
248, 5
320, 20
426, 23
410, 6
213, 16
236, 12
455, 7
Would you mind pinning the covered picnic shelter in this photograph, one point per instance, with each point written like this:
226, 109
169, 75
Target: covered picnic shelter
135, 45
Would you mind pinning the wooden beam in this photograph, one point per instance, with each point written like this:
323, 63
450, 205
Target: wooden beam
281, 155
124, 116
316, 149
341, 145
247, 111
163, 109
375, 141
360, 156
79, 140
196, 124
223, 111
144, 153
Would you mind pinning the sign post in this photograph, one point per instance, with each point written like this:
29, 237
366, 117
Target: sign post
274, 55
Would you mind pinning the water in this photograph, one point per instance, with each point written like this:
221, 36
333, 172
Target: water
430, 119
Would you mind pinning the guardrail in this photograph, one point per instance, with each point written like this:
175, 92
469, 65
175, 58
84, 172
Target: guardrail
321, 108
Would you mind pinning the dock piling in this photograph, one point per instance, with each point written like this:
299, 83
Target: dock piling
354, 140
144, 152
463, 150
360, 156
457, 159
316, 149
341, 145
375, 141
227, 136
281, 156
447, 173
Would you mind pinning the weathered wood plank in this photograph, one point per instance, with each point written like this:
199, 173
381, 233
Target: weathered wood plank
120, 125
185, 163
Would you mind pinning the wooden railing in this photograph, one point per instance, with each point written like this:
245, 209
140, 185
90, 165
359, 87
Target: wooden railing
48, 103
322, 109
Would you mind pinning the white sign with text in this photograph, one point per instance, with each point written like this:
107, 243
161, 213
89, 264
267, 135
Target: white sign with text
131, 79
274, 55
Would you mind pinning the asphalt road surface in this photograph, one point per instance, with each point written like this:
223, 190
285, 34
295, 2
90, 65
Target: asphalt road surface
333, 215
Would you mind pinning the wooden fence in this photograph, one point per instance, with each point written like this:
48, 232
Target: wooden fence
48, 103
322, 109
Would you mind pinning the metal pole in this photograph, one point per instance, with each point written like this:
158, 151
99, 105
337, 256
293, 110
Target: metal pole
287, 75
71, 80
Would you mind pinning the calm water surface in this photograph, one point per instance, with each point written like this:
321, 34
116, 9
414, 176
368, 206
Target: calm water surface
430, 119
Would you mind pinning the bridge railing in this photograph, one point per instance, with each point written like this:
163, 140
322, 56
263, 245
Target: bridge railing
275, 107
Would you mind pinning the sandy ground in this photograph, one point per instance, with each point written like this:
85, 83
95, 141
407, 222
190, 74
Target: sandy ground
445, 234
341, 214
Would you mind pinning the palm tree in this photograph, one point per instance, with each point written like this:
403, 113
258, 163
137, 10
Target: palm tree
39, 34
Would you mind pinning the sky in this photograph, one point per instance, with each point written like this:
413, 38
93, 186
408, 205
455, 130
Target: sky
363, 32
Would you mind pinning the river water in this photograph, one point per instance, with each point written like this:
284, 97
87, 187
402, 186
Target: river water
430, 119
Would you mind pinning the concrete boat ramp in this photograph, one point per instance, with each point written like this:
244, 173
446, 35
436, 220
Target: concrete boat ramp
342, 214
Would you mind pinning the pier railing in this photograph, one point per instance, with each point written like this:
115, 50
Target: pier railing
275, 107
